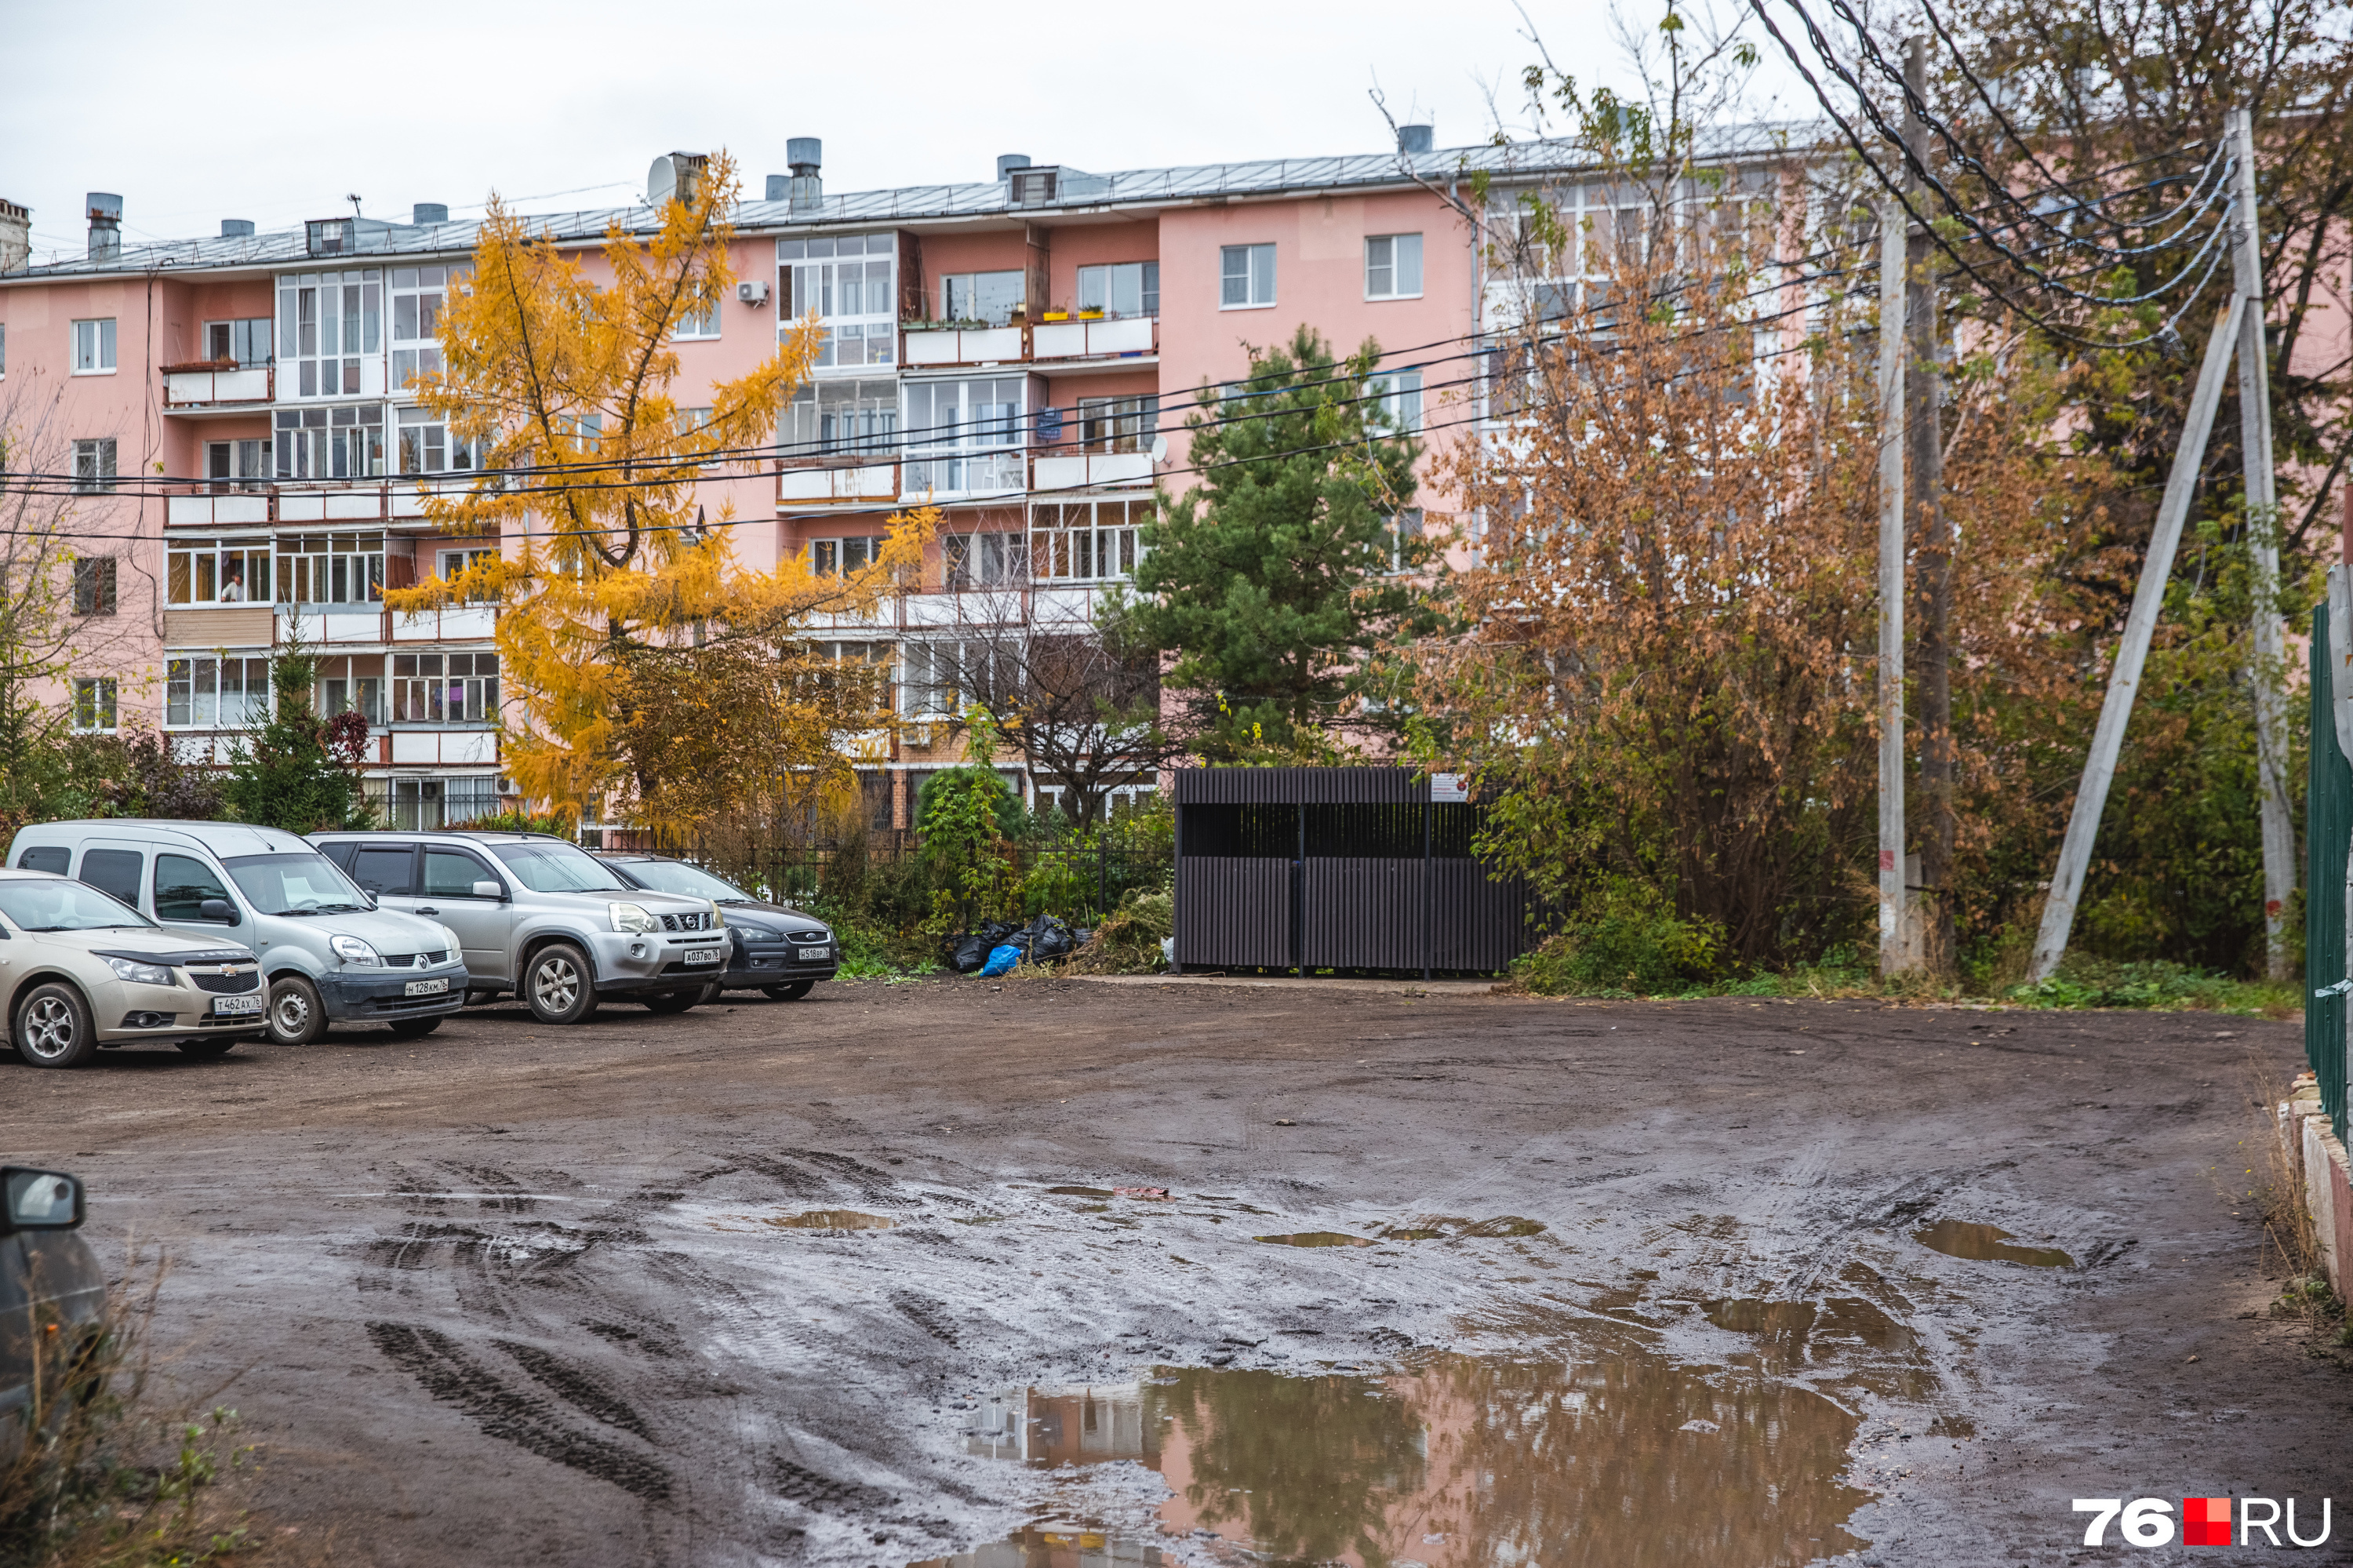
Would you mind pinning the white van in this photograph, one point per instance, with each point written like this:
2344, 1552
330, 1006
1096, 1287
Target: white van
329, 954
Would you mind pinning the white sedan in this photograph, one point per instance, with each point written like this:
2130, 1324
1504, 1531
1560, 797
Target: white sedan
80, 971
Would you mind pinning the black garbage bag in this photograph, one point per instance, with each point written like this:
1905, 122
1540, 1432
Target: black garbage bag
966, 954
1049, 939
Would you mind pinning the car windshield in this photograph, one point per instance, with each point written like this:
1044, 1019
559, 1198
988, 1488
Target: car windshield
301, 883
676, 876
558, 868
54, 903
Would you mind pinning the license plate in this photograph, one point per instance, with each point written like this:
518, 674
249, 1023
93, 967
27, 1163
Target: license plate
702, 955
233, 1006
428, 988
810, 953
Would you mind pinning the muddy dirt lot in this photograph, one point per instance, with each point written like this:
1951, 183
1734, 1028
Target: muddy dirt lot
849, 1280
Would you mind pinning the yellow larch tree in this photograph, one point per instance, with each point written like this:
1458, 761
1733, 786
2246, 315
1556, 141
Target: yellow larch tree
615, 587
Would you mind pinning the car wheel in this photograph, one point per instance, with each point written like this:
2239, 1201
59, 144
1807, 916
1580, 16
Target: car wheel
415, 1028
209, 1050
792, 993
53, 1027
672, 1000
296, 1015
710, 993
556, 985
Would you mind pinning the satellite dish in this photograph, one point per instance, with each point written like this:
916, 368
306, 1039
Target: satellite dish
1159, 448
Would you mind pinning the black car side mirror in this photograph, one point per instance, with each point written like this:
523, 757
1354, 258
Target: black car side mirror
217, 910
40, 1200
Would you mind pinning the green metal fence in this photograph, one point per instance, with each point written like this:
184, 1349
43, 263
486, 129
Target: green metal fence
2329, 844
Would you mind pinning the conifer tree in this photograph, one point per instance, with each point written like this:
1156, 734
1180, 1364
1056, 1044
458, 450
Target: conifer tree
1274, 579
300, 772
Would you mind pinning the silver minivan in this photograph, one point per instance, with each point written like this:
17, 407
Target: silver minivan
328, 953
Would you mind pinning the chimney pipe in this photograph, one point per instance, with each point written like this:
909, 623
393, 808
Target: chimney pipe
805, 155
15, 236
105, 225
1009, 162
1414, 138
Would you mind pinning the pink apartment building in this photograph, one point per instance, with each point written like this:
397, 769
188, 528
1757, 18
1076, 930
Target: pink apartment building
1020, 351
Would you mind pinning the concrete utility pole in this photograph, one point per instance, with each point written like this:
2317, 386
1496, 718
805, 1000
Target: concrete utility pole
1892, 236
1932, 641
2262, 519
2132, 653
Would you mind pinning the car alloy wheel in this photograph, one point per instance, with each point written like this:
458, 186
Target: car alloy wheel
49, 1030
557, 985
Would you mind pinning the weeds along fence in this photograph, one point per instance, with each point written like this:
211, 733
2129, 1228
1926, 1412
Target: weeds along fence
1079, 880
2328, 844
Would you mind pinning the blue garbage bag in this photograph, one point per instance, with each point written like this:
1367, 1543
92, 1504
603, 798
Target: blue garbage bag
1000, 961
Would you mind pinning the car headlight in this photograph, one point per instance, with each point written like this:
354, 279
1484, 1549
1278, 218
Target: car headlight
356, 953
139, 973
717, 917
455, 948
633, 917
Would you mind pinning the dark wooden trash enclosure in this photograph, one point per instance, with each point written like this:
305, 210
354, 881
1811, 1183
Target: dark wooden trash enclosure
1337, 868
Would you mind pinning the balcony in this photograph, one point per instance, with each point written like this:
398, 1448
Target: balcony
216, 387
1086, 469
223, 508
963, 476
438, 746
1126, 338
833, 484
962, 345
343, 503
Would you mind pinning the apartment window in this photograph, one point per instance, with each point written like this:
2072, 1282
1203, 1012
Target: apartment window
216, 571
93, 347
94, 586
329, 325
1393, 266
989, 298
426, 445
848, 283
330, 444
445, 688
1084, 541
1394, 397
417, 295
965, 435
455, 563
703, 322
980, 560
1121, 289
207, 692
853, 553
360, 695
331, 568
236, 465
1245, 277
830, 417
1118, 424
93, 703
938, 676
4, 350
1405, 533
246, 342
94, 465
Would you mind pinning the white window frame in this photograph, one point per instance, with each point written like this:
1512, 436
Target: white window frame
425, 290
239, 338
201, 571
960, 296
324, 442
94, 708
698, 326
422, 444
844, 554
1252, 267
1106, 288
1392, 261
1398, 396
316, 312
813, 283
969, 451
192, 694
1086, 540
302, 568
842, 415
443, 688
94, 465
93, 346
97, 584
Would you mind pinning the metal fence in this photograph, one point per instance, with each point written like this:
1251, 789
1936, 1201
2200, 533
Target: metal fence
1337, 868
1079, 881
2328, 844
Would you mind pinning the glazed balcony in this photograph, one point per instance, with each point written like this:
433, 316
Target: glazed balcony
217, 387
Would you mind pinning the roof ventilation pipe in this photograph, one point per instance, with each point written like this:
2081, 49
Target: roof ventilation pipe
425, 214
15, 236
1009, 162
1414, 138
237, 228
805, 155
105, 225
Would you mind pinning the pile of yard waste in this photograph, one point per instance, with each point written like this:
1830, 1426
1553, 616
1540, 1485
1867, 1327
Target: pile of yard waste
1128, 942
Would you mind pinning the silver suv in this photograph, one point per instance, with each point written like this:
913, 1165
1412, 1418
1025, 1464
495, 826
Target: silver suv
542, 917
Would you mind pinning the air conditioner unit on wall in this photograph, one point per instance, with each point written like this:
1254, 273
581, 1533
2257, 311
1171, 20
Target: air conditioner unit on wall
752, 291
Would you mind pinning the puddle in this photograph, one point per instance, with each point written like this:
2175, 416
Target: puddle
1315, 1238
831, 1220
1854, 1340
1612, 1455
1984, 1244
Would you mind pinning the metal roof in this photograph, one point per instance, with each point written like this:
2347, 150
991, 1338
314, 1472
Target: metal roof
1079, 191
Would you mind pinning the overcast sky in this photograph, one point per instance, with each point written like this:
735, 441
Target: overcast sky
275, 113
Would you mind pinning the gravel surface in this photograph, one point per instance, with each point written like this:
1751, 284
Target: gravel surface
514, 1293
